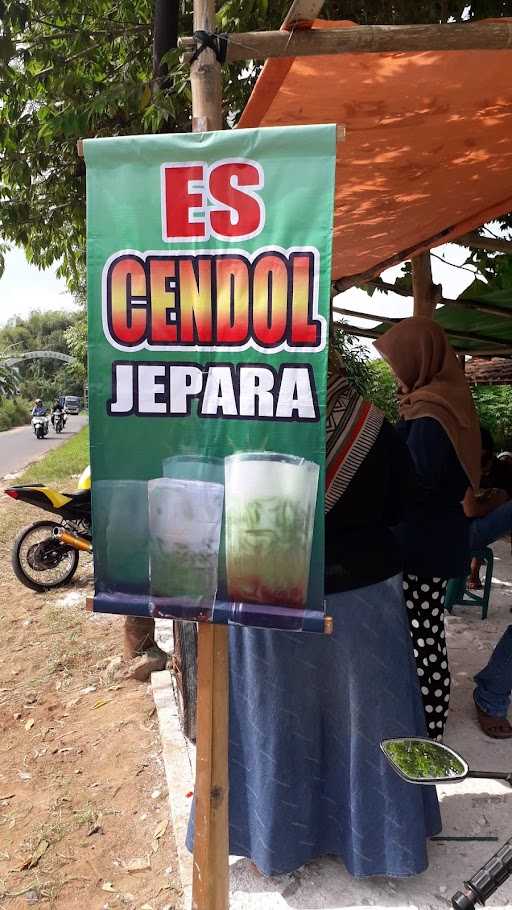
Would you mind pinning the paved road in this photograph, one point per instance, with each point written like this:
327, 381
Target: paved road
19, 447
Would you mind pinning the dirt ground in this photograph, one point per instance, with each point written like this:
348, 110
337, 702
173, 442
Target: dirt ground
83, 802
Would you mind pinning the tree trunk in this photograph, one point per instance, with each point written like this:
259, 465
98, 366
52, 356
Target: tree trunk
426, 293
165, 37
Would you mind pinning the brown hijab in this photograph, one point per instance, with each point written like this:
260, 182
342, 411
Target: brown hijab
432, 384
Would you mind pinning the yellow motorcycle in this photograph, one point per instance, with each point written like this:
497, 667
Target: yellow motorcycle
46, 553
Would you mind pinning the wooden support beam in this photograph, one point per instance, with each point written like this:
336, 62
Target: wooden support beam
459, 347
365, 39
426, 294
452, 333
376, 316
356, 330
463, 303
476, 241
302, 11
486, 308
210, 886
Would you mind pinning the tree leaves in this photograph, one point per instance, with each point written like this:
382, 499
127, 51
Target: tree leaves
71, 70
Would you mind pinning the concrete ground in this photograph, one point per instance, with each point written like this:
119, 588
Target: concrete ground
475, 808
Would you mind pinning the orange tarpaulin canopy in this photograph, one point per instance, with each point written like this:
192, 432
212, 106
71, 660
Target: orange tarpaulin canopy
428, 150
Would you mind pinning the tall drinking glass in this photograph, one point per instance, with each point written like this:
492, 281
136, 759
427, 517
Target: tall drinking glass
203, 468
270, 514
120, 526
185, 518
194, 467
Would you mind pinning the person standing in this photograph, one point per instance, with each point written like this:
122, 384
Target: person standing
307, 777
439, 423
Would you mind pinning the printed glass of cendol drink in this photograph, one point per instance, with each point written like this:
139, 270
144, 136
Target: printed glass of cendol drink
121, 535
270, 515
185, 518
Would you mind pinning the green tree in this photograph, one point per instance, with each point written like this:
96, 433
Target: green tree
382, 389
494, 406
9, 381
355, 358
39, 332
76, 338
70, 70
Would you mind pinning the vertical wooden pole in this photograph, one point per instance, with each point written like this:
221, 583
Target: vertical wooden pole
210, 886
426, 293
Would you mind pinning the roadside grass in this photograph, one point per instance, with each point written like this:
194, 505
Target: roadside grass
70, 458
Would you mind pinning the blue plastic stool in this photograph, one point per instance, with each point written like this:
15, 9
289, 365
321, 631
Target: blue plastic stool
457, 591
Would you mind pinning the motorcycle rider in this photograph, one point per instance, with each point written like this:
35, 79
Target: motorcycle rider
57, 409
39, 409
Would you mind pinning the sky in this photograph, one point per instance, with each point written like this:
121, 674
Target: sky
24, 288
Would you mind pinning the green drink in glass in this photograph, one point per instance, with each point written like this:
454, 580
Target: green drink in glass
270, 514
120, 517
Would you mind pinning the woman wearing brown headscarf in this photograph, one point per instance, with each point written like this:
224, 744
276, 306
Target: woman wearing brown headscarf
440, 426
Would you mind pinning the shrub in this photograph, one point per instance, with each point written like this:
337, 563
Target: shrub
14, 412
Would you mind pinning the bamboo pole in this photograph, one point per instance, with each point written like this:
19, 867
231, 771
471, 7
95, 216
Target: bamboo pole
366, 39
210, 885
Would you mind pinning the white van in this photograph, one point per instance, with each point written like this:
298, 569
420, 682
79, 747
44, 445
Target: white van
71, 404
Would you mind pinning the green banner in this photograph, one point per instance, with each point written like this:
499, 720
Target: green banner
209, 266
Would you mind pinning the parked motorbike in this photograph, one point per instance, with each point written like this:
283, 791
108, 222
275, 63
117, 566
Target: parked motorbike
46, 554
422, 761
40, 425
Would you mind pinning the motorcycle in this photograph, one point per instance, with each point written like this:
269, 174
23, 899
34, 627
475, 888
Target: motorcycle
59, 421
422, 761
46, 554
40, 425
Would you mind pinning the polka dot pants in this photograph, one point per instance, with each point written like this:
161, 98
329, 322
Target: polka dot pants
424, 599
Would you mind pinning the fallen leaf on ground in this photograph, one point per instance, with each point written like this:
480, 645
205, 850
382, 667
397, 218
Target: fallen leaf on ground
139, 864
101, 702
161, 829
29, 724
108, 886
39, 852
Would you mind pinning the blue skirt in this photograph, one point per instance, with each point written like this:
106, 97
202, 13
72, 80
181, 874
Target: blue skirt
307, 714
